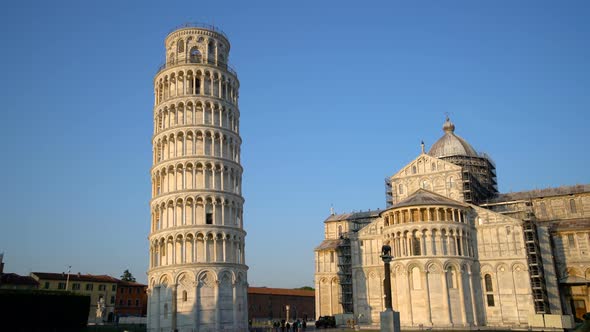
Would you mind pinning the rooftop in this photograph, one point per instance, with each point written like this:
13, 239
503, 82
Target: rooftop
538, 193
354, 215
425, 197
74, 277
450, 144
280, 291
15, 279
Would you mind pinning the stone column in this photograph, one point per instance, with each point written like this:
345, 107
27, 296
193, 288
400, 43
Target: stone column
217, 308
235, 306
427, 297
174, 306
446, 305
409, 296
473, 304
157, 291
462, 298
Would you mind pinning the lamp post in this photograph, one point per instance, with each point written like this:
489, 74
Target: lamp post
389, 318
68, 277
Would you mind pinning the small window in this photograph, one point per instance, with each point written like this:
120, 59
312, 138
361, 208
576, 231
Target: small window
138, 290
195, 55
89, 287
543, 209
571, 241
120, 302
361, 243
128, 303
331, 257
490, 300
416, 246
180, 46
102, 287
488, 282
451, 182
137, 303
209, 218
46, 285
413, 169
339, 230
573, 206
76, 286
113, 299
401, 189
61, 285
184, 296
114, 288
433, 166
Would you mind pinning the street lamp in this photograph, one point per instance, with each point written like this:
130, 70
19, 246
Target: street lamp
68, 277
389, 318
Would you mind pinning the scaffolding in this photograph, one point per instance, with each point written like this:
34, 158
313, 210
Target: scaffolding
345, 273
478, 177
535, 264
388, 193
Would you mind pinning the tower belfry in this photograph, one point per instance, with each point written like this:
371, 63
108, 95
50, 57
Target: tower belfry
197, 274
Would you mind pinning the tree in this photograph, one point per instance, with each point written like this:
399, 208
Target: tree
127, 276
306, 288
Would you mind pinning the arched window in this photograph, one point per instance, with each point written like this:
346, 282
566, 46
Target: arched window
433, 166
339, 230
184, 296
573, 206
413, 169
180, 46
488, 282
195, 55
451, 182
489, 290
171, 58
416, 245
401, 189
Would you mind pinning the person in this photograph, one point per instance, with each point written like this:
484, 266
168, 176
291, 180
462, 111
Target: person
304, 325
282, 325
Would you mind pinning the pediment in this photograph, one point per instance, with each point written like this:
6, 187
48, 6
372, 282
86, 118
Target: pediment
425, 164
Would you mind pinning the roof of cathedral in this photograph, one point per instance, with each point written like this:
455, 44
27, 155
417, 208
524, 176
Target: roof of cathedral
426, 197
329, 244
354, 215
538, 193
450, 144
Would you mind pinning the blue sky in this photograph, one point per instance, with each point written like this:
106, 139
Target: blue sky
334, 97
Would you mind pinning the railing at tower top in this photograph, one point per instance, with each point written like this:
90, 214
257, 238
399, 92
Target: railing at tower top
177, 62
199, 25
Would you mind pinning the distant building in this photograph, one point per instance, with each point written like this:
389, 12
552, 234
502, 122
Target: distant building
15, 281
271, 303
464, 255
96, 286
131, 299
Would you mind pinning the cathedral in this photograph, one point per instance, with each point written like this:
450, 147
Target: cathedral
465, 255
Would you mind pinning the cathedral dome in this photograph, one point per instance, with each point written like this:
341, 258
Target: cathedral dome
451, 144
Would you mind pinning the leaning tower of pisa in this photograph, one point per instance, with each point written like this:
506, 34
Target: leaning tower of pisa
197, 274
